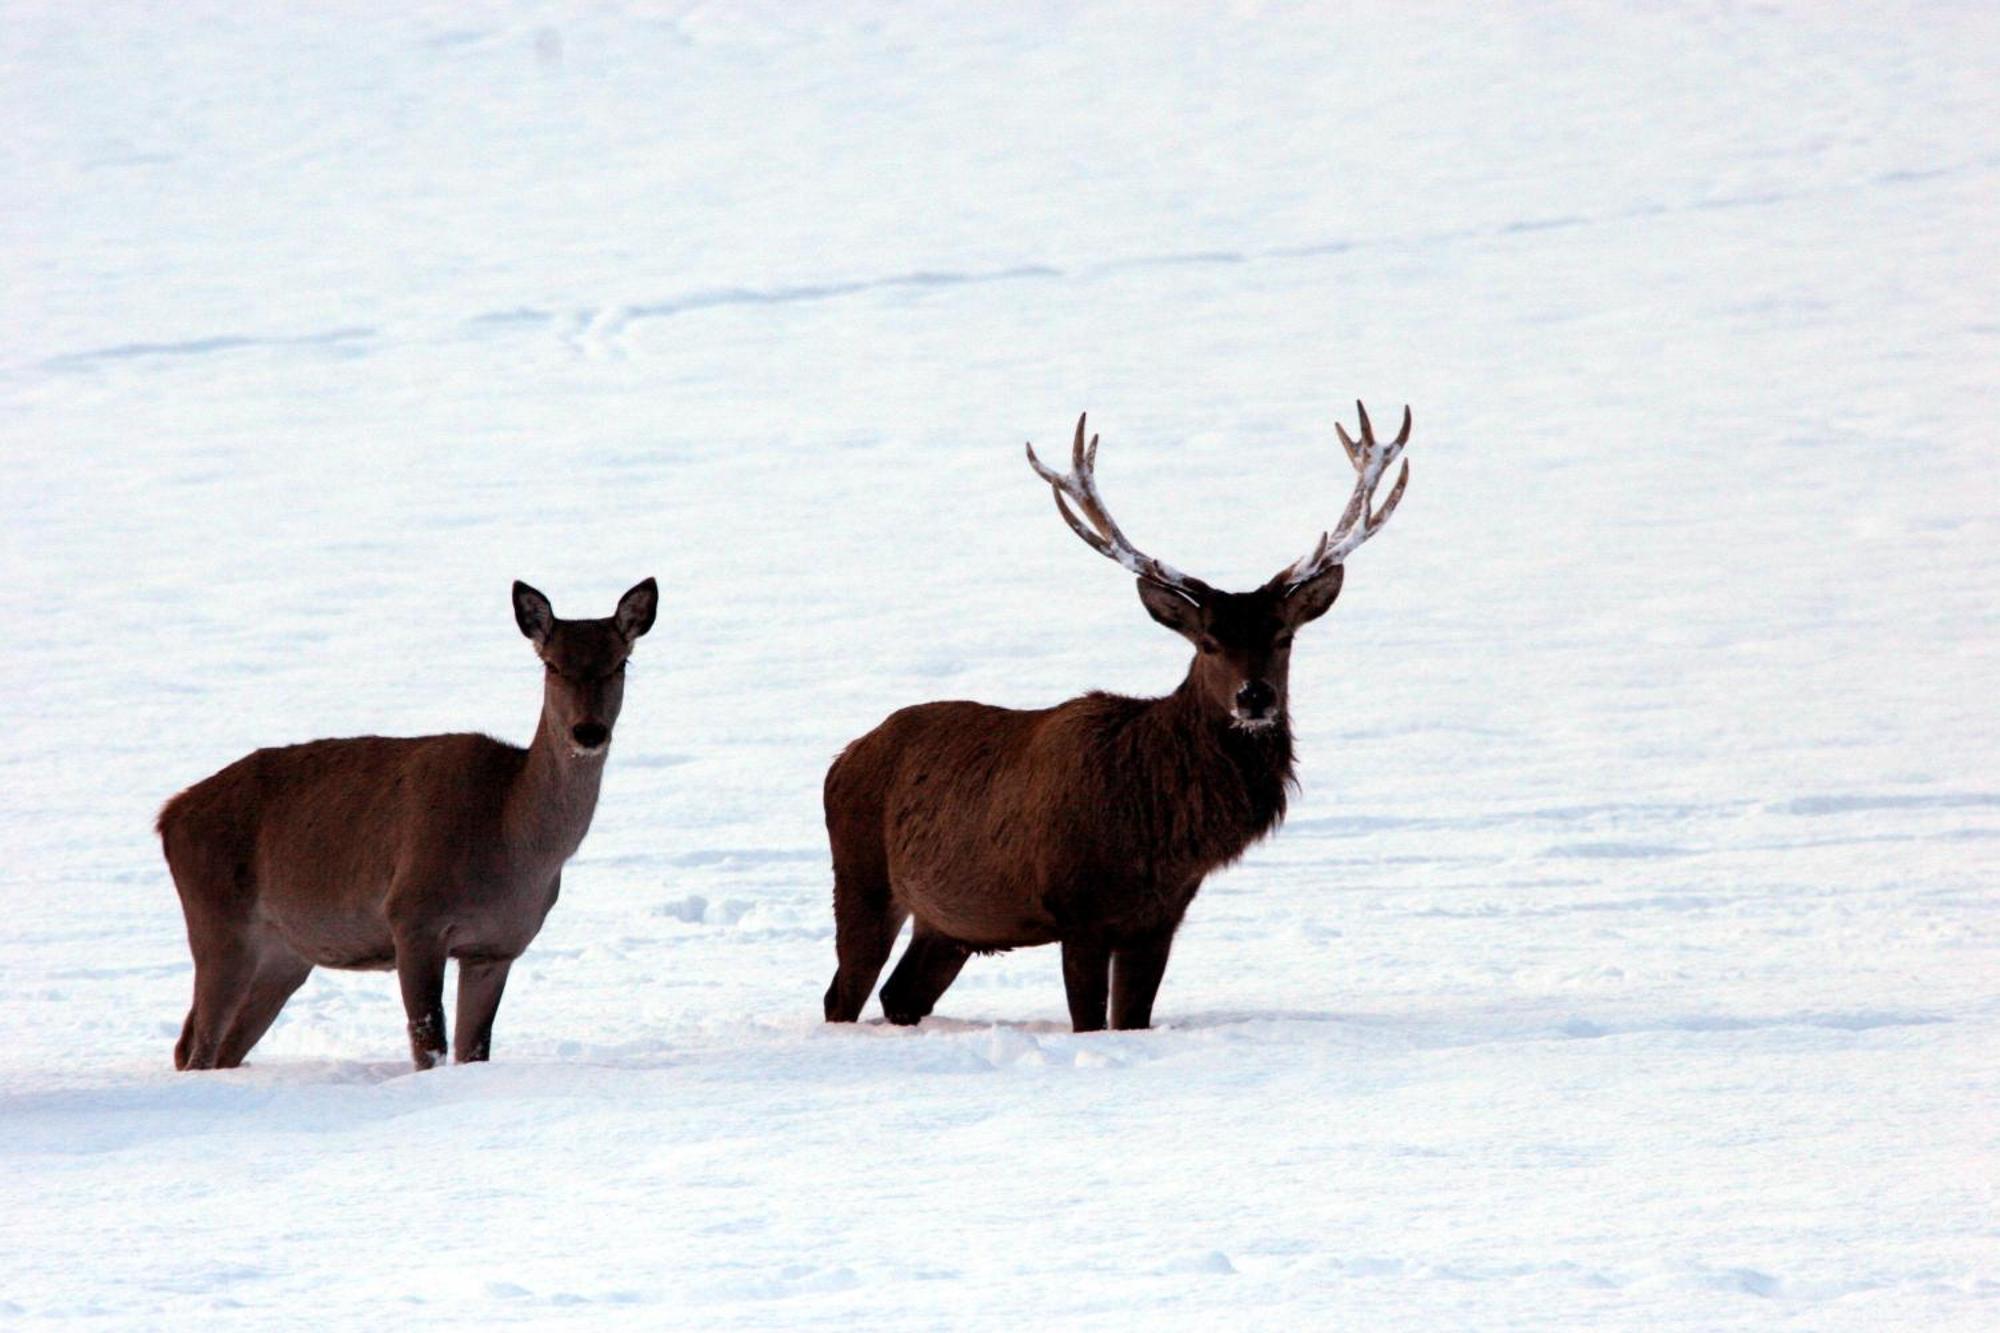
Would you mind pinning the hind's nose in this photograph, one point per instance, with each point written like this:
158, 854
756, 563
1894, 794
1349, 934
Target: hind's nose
1255, 698
590, 735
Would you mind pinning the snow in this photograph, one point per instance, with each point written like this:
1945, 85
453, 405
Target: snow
1629, 958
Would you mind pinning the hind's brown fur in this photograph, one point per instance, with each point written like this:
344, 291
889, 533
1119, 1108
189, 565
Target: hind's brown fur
381, 853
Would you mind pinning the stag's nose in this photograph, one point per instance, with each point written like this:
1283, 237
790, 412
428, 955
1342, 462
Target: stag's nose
1255, 698
590, 735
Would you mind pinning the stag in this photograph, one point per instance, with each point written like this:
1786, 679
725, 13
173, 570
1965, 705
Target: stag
1093, 823
378, 853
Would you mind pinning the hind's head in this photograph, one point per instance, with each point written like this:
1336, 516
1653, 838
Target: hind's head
585, 662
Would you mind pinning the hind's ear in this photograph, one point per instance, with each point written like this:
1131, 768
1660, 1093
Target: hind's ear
533, 613
1170, 608
1310, 600
637, 608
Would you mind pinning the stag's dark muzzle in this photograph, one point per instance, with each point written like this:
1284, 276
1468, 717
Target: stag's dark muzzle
1255, 701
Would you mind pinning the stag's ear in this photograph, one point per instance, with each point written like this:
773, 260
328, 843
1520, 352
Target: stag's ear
1310, 600
533, 613
637, 608
1173, 609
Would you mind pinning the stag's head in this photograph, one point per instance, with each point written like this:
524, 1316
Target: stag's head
585, 664
1243, 641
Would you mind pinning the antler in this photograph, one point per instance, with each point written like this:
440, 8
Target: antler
1102, 534
1357, 524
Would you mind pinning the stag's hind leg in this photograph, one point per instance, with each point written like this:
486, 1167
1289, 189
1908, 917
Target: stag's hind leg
928, 968
866, 921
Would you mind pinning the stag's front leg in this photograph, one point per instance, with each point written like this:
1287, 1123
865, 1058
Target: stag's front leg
480, 983
420, 959
1087, 977
1135, 979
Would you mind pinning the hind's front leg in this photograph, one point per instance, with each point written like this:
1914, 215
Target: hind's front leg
480, 983
420, 969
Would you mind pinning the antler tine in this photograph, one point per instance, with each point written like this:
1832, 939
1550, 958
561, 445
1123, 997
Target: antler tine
1389, 505
1354, 451
1101, 534
1353, 454
1371, 459
1394, 449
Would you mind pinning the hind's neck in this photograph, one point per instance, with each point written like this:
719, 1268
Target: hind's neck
550, 804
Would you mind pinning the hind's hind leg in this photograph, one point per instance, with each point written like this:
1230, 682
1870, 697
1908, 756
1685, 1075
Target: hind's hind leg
186, 1043
866, 920
223, 972
212, 880
279, 973
928, 968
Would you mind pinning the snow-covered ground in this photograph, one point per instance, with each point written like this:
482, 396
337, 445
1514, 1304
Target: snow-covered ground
1630, 958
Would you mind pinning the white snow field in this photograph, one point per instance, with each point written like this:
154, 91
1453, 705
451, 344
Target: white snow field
1632, 956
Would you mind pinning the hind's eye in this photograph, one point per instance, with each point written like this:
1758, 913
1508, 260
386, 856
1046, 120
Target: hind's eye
1282, 641
1210, 646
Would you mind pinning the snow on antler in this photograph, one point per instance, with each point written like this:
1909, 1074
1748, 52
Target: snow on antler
1371, 461
1079, 484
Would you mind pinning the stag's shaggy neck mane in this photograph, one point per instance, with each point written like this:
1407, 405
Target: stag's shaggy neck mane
1211, 763
1216, 786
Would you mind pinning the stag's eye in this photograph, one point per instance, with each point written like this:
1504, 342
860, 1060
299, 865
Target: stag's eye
1210, 646
1282, 641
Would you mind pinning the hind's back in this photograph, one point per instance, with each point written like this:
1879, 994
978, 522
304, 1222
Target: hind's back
329, 814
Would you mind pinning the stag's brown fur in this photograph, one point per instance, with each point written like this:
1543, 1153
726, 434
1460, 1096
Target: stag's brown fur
1092, 823
378, 853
